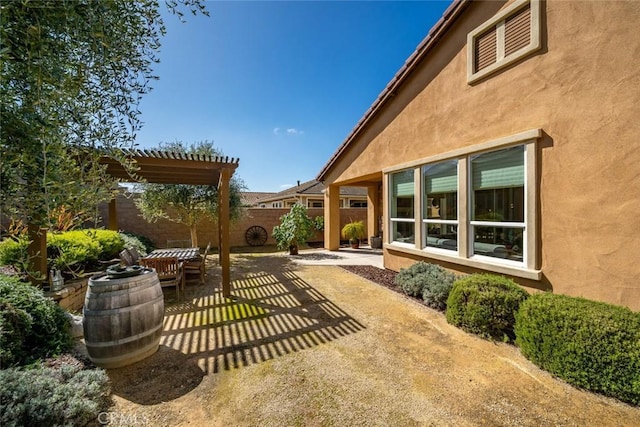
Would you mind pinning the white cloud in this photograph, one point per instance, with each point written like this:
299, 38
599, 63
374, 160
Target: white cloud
287, 131
285, 186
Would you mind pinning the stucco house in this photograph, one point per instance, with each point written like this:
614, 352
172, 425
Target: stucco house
509, 142
311, 195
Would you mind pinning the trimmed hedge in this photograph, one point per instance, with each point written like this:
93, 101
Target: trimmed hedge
485, 304
31, 326
71, 248
111, 243
46, 396
14, 252
589, 344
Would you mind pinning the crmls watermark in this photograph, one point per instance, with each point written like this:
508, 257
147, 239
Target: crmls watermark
120, 419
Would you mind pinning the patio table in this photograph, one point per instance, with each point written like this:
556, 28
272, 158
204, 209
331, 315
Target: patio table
183, 254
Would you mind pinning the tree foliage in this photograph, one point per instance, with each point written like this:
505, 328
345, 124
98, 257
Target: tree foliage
294, 229
72, 74
188, 204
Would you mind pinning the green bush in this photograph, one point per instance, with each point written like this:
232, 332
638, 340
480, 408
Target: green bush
485, 304
31, 326
143, 244
71, 248
46, 396
111, 243
406, 278
437, 288
429, 281
14, 252
589, 344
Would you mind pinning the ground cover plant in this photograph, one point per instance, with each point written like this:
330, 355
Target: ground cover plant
589, 344
485, 304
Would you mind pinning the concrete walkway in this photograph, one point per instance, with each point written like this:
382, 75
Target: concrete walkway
345, 256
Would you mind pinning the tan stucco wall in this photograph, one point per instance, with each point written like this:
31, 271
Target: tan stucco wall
583, 91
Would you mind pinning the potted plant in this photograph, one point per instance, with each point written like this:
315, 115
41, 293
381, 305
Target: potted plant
354, 231
294, 229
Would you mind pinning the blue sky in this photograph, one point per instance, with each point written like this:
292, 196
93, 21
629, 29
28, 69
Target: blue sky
278, 84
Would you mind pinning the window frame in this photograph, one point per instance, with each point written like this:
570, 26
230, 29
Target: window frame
498, 22
426, 221
464, 255
396, 219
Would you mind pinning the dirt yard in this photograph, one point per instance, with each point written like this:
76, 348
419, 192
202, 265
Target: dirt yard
318, 345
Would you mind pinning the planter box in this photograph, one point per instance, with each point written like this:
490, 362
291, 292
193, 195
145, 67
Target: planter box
71, 297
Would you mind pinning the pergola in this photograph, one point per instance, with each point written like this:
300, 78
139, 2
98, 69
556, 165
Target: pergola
163, 167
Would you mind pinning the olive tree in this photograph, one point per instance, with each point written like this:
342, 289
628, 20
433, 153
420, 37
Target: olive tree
187, 204
72, 74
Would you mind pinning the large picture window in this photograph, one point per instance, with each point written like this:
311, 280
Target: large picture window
477, 206
440, 205
402, 207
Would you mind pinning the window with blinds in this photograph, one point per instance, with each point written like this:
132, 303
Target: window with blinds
506, 38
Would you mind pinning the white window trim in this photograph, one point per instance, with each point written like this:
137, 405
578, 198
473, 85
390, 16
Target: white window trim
464, 255
416, 233
498, 22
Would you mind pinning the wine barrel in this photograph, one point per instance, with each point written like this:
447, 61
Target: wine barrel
123, 318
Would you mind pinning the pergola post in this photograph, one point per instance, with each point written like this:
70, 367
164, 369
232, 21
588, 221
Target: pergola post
223, 231
113, 215
332, 217
37, 251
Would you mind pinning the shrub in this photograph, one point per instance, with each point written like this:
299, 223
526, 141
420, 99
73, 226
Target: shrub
438, 285
405, 279
430, 281
14, 252
31, 326
143, 244
589, 344
111, 243
72, 248
485, 304
66, 395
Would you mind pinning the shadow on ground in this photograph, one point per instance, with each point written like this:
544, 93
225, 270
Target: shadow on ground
272, 312
146, 382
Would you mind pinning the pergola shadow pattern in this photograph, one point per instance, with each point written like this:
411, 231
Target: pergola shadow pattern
272, 312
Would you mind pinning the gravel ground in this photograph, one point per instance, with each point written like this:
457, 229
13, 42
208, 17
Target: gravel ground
318, 346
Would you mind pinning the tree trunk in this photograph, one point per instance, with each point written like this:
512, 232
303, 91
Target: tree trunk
293, 249
194, 236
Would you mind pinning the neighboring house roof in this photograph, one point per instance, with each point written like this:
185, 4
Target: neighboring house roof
437, 31
250, 198
311, 188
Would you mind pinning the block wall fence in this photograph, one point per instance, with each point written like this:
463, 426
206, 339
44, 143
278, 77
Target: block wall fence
130, 220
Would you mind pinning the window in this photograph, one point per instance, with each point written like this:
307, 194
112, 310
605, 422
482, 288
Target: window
402, 211
357, 203
509, 36
440, 205
498, 206
477, 206
315, 203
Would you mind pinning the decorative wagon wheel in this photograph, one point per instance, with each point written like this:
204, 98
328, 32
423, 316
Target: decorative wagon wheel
256, 236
